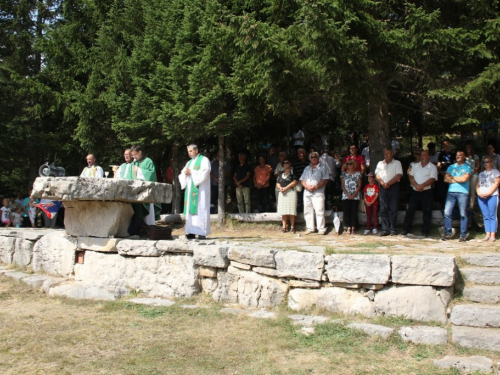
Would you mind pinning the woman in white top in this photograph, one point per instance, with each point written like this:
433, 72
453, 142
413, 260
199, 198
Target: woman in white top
487, 196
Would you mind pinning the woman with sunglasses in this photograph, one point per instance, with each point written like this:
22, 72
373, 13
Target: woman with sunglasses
487, 196
351, 185
287, 198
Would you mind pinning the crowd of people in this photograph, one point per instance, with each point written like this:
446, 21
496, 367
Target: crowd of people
308, 183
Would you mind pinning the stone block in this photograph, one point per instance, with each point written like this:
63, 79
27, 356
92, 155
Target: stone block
165, 276
51, 282
341, 285
423, 303
479, 338
176, 246
249, 289
308, 320
262, 314
424, 335
138, 248
482, 260
211, 256
302, 299
208, 285
423, 270
304, 284
345, 301
239, 265
208, 272
16, 275
82, 291
23, 252
358, 268
482, 275
372, 329
253, 256
482, 316
54, 253
103, 245
36, 281
97, 219
482, 294
299, 265
468, 365
152, 301
7, 248
101, 189
266, 271
372, 286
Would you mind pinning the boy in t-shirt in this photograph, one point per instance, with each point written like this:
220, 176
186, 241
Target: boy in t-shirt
5, 213
371, 204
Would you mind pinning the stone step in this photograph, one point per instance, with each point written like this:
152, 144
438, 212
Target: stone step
482, 275
482, 316
480, 338
482, 294
483, 260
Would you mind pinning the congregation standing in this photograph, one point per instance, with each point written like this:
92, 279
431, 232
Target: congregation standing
308, 181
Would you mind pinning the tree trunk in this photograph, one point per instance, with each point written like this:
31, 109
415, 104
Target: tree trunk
379, 121
221, 213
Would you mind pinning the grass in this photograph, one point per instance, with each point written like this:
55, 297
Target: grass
42, 335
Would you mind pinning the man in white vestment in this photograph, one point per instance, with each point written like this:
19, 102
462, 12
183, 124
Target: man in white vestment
92, 170
125, 170
195, 178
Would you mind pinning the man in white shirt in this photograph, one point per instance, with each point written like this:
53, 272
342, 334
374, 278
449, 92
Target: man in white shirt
92, 170
388, 173
314, 179
422, 176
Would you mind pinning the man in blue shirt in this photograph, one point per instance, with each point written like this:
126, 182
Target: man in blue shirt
457, 175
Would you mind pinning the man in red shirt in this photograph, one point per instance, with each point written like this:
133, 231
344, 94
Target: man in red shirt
354, 155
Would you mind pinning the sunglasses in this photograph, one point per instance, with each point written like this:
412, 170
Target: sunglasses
286, 162
313, 157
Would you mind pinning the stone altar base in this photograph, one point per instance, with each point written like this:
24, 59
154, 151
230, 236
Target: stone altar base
97, 219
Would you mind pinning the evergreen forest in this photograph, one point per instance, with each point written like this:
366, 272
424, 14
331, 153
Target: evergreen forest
96, 76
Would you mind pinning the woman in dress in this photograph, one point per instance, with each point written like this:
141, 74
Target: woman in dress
287, 198
351, 185
487, 196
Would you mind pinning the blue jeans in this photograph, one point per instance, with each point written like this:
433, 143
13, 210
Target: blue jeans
451, 199
488, 208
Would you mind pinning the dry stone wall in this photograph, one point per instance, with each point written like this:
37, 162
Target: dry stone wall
415, 287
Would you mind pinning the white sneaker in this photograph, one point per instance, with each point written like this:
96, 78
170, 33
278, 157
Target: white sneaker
367, 231
375, 231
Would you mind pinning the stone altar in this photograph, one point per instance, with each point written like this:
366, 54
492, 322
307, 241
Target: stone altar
99, 207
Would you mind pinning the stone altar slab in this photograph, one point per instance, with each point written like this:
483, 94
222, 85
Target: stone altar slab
101, 189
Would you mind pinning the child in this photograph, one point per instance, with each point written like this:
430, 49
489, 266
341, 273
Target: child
32, 211
16, 217
5, 213
371, 204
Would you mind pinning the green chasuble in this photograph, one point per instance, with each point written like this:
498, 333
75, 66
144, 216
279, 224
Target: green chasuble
125, 171
148, 171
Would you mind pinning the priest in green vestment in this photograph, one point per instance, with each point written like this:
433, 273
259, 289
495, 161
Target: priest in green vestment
143, 169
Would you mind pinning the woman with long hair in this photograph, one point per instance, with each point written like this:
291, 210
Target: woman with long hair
487, 196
